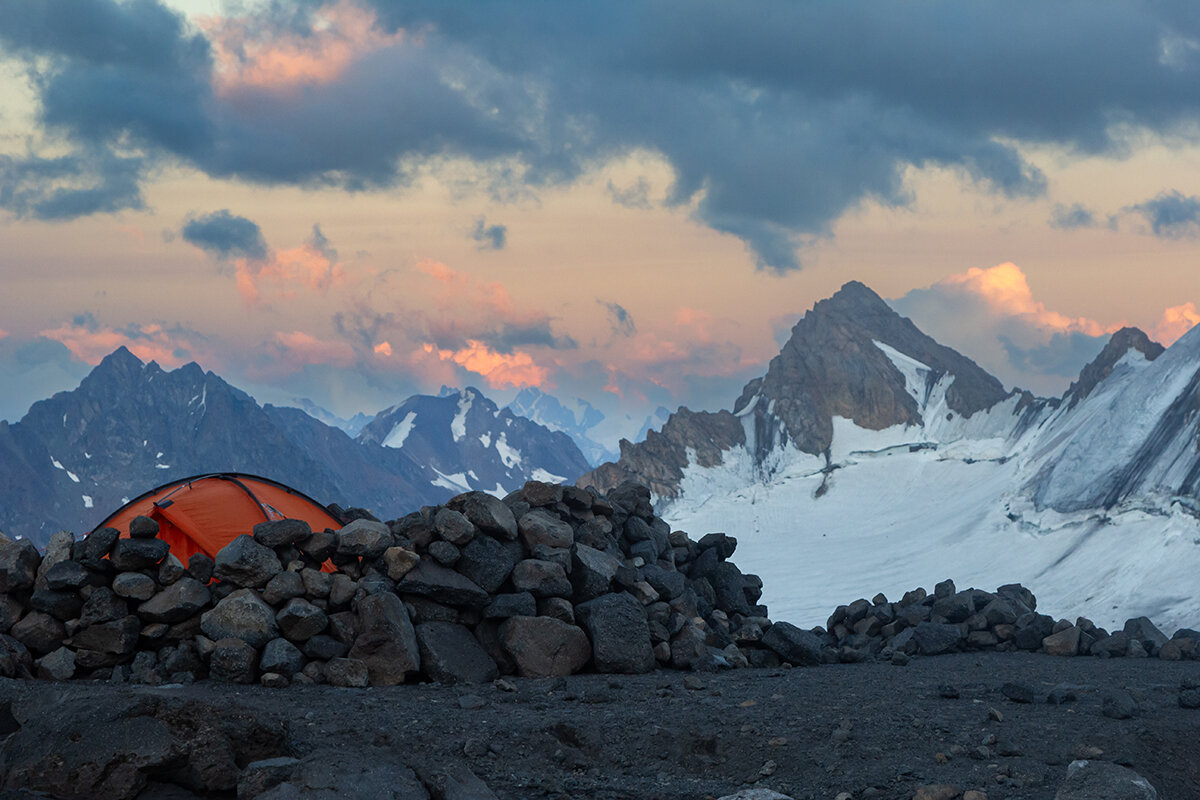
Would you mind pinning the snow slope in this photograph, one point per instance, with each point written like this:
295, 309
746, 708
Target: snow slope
986, 500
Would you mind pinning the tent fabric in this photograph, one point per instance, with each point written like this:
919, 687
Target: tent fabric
203, 513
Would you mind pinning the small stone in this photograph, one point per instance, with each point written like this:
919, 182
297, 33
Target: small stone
1119, 704
974, 794
1189, 698
471, 702
1018, 692
693, 682
273, 680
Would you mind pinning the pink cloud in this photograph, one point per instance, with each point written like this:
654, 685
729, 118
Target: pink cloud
3, 333
90, 343
251, 57
309, 266
1175, 322
298, 349
499, 370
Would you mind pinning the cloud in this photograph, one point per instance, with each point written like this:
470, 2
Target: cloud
636, 195
32, 369
619, 318
1175, 322
313, 266
774, 121
1170, 215
293, 350
89, 341
225, 235
490, 237
1071, 217
500, 370
991, 316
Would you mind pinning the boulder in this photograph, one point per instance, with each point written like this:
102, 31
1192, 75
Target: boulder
284, 586
450, 654
1145, 631
143, 528
242, 615
244, 562
1092, 780
58, 665
118, 637
503, 606
397, 561
200, 566
15, 661
19, 560
487, 562
592, 571
542, 647
39, 632
933, 638
61, 605
386, 642
453, 526
795, 645
281, 532
541, 578
442, 585
364, 538
729, 585
541, 527
176, 603
282, 657
58, 551
616, 625
99, 543
233, 661
320, 546
130, 555
300, 620
134, 585
487, 513
1063, 643
350, 673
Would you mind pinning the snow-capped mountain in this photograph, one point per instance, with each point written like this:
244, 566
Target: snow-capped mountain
465, 442
130, 426
870, 455
352, 426
575, 419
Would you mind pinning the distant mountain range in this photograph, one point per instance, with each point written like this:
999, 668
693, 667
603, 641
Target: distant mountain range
130, 426
868, 452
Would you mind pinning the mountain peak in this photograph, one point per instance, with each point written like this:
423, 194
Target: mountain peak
121, 358
855, 296
1119, 344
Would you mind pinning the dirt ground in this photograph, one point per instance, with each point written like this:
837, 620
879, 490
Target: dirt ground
872, 730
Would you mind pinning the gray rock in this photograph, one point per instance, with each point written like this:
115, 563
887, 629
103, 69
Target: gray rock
39, 632
487, 562
349, 673
19, 560
134, 585
320, 546
541, 647
730, 587
118, 638
143, 528
282, 657
15, 661
442, 585
259, 776
99, 543
245, 562
556, 608
450, 654
1063, 643
592, 571
200, 566
300, 620
933, 638
444, 553
278, 533
316, 583
58, 550
541, 578
11, 610
1103, 780
179, 601
323, 648
1119, 704
170, 570
616, 624
365, 538
1018, 692
541, 527
284, 586
398, 561
58, 665
342, 589
453, 526
386, 642
487, 513
130, 555
233, 661
61, 605
800, 647
668, 583
503, 606
1142, 629
242, 615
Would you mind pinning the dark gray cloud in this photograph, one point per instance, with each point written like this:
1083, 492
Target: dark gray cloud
72, 186
619, 318
490, 237
1071, 217
775, 117
1170, 215
225, 235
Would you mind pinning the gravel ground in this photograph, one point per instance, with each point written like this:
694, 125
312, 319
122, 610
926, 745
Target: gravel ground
872, 730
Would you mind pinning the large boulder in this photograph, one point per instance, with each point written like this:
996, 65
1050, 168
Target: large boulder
19, 561
242, 615
795, 645
280, 532
487, 562
177, 602
541, 578
364, 537
541, 527
58, 551
442, 585
130, 555
245, 562
386, 641
233, 661
1093, 780
487, 513
933, 638
616, 624
450, 654
454, 527
107, 643
300, 620
542, 647
592, 571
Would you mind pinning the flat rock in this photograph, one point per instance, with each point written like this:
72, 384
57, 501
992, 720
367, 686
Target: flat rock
176, 603
442, 585
365, 538
278, 533
487, 513
800, 647
450, 654
542, 647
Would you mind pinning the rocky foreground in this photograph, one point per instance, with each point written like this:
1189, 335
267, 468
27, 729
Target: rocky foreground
440, 654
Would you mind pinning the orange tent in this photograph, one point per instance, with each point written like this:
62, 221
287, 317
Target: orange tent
204, 513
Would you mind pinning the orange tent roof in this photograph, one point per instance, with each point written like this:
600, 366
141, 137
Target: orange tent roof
204, 513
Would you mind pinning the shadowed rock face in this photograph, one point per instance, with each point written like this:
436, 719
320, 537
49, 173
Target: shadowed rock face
1102, 365
830, 366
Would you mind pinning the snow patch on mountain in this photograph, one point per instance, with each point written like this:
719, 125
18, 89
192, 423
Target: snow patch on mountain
400, 433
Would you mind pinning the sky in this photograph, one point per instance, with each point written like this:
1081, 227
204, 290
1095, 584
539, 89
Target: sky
628, 202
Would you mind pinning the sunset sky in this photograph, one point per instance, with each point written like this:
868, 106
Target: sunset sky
629, 202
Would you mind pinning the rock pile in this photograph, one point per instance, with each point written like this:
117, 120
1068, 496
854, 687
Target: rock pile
550, 581
950, 621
